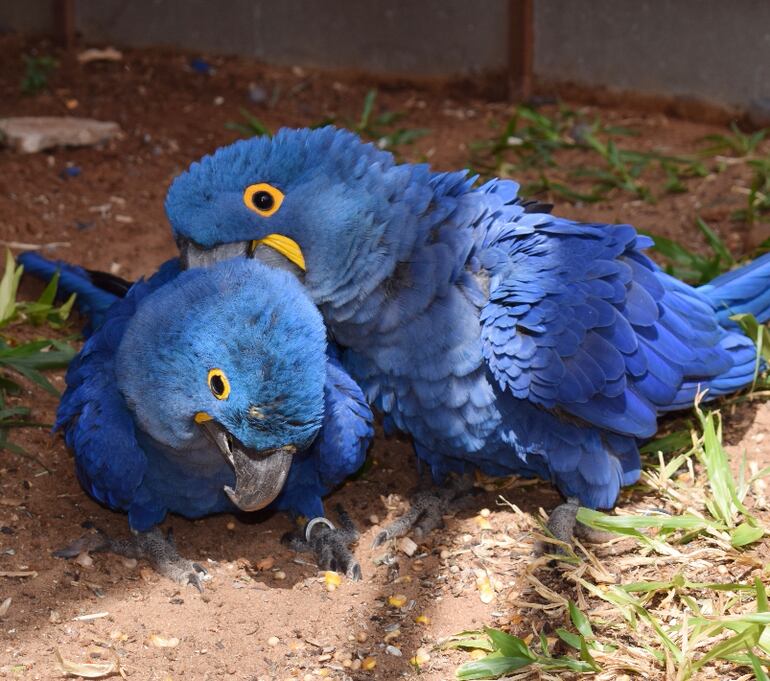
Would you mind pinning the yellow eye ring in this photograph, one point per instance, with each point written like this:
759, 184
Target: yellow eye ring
218, 384
263, 198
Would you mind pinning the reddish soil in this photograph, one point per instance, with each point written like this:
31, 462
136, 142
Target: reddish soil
111, 217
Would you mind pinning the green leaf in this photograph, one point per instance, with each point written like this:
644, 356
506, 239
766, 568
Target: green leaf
9, 284
510, 646
580, 621
491, 667
756, 665
746, 533
366, 113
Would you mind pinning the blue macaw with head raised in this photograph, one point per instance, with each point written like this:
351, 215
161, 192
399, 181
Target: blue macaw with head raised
499, 336
202, 392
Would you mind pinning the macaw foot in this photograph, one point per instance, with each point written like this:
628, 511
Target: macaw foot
160, 551
426, 510
330, 544
564, 526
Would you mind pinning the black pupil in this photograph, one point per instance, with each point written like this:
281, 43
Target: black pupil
217, 385
263, 200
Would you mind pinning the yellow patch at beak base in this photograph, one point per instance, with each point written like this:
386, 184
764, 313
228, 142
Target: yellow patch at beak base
287, 247
202, 417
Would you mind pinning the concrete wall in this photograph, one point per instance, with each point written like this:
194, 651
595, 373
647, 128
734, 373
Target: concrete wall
711, 49
708, 49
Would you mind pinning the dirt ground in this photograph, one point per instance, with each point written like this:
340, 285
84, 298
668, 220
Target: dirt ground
280, 622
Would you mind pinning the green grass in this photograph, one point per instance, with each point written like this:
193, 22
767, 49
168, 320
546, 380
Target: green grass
36, 73
249, 126
531, 139
27, 359
665, 622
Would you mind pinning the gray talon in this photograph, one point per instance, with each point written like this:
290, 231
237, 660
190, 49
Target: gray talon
160, 551
331, 545
564, 526
426, 511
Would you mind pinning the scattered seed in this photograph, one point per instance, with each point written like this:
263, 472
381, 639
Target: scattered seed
362, 637
397, 601
231, 525
368, 663
485, 513
265, 563
374, 520
162, 642
273, 641
392, 635
486, 590
444, 555
332, 580
483, 523
280, 575
420, 657
422, 619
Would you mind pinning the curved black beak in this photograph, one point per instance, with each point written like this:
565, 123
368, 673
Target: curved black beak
193, 255
259, 475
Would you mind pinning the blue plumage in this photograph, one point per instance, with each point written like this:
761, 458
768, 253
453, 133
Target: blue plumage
499, 336
129, 412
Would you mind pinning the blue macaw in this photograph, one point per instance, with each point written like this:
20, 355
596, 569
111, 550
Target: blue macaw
499, 336
202, 392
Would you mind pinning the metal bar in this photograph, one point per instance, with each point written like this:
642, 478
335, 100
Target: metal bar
521, 48
64, 17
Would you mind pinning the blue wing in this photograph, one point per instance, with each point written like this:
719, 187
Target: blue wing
579, 319
97, 424
339, 449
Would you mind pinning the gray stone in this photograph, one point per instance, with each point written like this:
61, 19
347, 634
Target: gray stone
31, 134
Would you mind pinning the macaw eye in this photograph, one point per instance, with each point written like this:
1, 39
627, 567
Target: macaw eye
218, 384
263, 198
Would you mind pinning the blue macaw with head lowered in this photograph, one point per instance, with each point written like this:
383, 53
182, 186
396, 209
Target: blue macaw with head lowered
202, 392
499, 336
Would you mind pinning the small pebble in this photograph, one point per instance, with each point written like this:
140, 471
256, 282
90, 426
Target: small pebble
230, 525
392, 650
374, 520
444, 555
407, 546
84, 560
356, 665
265, 564
129, 563
280, 575
392, 635
362, 637
273, 641
257, 94
485, 513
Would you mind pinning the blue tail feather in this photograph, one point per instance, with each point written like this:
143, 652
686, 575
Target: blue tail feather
744, 290
92, 301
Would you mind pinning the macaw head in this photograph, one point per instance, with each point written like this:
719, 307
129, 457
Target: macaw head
321, 203
230, 357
